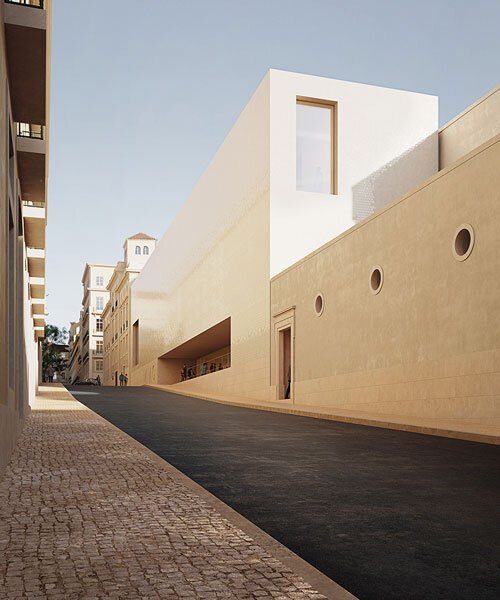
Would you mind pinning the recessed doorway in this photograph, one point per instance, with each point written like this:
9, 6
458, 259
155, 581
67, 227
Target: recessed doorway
284, 354
285, 371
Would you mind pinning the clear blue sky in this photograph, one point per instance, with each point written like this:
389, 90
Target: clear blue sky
143, 92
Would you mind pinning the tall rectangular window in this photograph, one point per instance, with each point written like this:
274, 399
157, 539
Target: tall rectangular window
99, 346
99, 281
316, 146
99, 303
98, 324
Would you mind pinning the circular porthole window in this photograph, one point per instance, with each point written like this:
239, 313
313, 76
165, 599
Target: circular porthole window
319, 305
463, 242
376, 279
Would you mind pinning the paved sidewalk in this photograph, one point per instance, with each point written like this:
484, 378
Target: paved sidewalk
87, 512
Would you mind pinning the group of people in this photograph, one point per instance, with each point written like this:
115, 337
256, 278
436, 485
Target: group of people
123, 379
189, 372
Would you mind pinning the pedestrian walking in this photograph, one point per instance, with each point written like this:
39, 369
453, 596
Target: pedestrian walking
121, 378
98, 380
50, 374
204, 368
287, 393
125, 381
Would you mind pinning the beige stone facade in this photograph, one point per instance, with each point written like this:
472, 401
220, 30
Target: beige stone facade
427, 344
395, 314
116, 314
24, 129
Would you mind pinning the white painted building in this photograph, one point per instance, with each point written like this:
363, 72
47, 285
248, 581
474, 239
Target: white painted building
384, 143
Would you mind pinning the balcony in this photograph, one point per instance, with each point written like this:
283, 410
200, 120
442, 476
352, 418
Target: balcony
31, 161
26, 130
39, 321
37, 306
36, 261
32, 3
26, 43
34, 223
37, 288
39, 333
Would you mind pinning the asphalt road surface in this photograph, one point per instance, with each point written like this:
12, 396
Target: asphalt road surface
386, 514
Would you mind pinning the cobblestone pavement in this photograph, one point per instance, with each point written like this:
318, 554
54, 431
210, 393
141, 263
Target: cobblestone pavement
87, 513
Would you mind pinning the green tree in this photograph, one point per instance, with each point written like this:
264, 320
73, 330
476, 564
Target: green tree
51, 352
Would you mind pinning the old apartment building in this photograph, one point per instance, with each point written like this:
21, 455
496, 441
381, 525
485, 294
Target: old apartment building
116, 314
342, 251
24, 126
86, 343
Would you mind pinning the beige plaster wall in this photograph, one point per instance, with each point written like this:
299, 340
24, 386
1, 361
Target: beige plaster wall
429, 343
471, 128
10, 423
3, 223
14, 395
213, 263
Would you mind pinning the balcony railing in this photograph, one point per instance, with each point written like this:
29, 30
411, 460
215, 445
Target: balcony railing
33, 3
26, 130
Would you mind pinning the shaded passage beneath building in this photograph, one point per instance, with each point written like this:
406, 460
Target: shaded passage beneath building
386, 514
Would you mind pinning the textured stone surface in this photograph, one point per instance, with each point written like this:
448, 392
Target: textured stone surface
86, 513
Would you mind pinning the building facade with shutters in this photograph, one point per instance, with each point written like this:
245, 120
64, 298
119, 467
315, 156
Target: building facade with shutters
95, 296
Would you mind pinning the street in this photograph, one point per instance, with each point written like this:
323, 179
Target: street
385, 514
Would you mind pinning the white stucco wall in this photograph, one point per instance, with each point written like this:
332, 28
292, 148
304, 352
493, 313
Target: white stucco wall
387, 144
137, 261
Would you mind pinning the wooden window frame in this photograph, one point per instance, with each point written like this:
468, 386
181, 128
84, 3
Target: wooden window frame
333, 106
